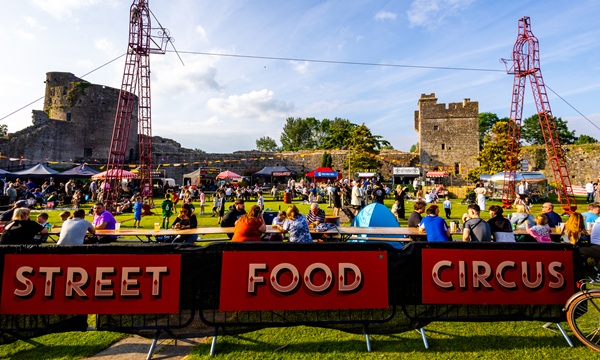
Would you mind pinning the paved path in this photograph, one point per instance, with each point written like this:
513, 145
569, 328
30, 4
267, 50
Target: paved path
136, 348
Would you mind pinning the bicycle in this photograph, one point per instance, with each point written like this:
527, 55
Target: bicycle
583, 313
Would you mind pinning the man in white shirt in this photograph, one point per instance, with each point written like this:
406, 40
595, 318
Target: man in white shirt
73, 230
356, 199
589, 189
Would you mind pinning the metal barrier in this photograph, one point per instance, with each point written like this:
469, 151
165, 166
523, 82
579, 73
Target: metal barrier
408, 287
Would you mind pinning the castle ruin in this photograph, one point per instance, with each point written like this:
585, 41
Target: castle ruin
448, 136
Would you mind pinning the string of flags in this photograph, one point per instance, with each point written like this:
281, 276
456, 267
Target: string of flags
386, 159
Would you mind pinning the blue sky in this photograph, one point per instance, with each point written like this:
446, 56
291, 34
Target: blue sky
222, 104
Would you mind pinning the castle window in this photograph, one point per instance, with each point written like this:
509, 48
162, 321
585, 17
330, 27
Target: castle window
436, 127
443, 146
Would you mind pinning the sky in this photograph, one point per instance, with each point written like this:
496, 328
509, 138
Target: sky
222, 104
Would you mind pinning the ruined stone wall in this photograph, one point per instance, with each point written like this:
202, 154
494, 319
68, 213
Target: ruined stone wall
582, 162
76, 124
448, 136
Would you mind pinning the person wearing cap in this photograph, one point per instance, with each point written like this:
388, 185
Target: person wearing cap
7, 215
436, 227
234, 213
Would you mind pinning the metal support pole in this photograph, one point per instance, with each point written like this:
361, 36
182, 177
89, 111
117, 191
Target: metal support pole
564, 334
153, 345
213, 345
367, 338
424, 337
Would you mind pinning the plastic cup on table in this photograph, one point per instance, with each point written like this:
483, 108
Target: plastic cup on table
156, 227
118, 227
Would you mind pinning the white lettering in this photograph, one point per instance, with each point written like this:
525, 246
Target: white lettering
102, 282
328, 277
73, 285
156, 272
275, 276
49, 282
538, 275
437, 274
358, 278
253, 277
500, 274
126, 282
24, 280
554, 269
481, 278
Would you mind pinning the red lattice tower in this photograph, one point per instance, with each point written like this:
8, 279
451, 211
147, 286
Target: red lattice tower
525, 64
143, 41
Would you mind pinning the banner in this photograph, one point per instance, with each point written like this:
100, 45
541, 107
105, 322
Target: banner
90, 284
303, 280
505, 277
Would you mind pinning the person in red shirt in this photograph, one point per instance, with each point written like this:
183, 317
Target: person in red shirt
250, 226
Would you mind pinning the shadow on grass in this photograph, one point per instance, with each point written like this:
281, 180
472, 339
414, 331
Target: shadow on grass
54, 352
404, 343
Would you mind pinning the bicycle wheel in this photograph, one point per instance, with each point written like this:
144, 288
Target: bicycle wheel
583, 316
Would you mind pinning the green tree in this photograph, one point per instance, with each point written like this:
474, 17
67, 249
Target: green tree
531, 131
266, 143
301, 134
585, 139
326, 160
362, 148
338, 131
486, 122
492, 155
3, 130
414, 148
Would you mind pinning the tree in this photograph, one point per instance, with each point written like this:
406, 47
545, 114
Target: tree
414, 148
486, 122
531, 131
266, 143
326, 160
338, 131
362, 148
299, 134
492, 155
3, 130
585, 139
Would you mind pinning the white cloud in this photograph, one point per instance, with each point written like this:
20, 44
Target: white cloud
260, 105
300, 67
385, 15
33, 23
172, 78
61, 9
24, 35
202, 34
431, 12
106, 46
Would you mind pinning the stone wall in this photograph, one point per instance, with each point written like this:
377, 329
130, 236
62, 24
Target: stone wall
76, 124
448, 136
582, 162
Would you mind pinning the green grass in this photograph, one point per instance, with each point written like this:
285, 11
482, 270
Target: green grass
69, 345
501, 340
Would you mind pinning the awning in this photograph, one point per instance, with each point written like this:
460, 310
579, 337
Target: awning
437, 174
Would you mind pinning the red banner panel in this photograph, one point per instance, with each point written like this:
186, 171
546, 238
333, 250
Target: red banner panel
527, 277
90, 284
303, 280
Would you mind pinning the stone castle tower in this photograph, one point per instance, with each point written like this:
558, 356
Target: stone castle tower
448, 137
76, 123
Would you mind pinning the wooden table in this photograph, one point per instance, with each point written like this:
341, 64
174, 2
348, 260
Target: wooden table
343, 233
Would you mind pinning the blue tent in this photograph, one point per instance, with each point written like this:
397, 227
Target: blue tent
376, 215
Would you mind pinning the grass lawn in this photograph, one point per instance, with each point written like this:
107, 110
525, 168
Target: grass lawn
509, 340
506, 340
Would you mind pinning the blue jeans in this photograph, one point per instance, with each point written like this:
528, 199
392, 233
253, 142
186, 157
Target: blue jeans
185, 239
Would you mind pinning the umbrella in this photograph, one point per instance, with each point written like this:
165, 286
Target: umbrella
113, 174
228, 175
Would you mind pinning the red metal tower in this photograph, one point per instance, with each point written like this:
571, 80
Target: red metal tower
526, 64
143, 41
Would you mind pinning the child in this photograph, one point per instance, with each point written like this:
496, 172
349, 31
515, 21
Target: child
278, 223
137, 212
64, 215
42, 219
541, 231
447, 207
215, 204
261, 201
202, 197
167, 210
395, 210
175, 200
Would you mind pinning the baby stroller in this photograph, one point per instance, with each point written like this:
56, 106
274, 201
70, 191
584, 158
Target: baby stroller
469, 198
